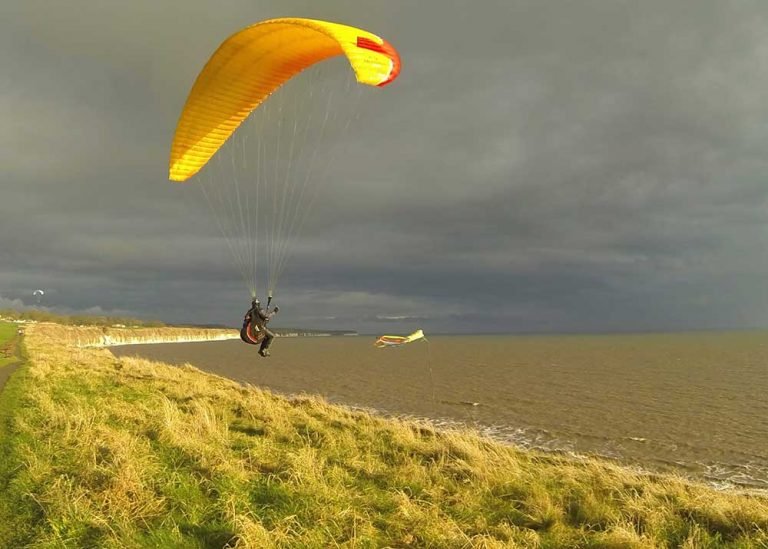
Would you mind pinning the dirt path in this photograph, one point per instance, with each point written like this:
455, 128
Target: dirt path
7, 371
10, 347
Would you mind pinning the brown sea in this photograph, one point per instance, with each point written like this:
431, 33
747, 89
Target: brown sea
695, 404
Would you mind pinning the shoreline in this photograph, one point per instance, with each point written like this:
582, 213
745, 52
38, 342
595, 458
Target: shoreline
637, 453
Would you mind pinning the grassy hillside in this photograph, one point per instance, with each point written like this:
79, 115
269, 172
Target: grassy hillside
97, 451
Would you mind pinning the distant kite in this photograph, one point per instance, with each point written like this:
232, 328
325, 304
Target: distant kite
38, 295
397, 341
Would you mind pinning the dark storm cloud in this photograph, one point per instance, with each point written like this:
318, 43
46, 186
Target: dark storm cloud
549, 166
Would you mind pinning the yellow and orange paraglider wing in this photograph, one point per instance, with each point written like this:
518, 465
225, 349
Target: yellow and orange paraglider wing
396, 341
389, 341
252, 64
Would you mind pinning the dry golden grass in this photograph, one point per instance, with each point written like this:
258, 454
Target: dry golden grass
107, 452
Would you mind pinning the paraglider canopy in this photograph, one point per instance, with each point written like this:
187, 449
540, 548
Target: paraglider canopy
251, 64
259, 127
397, 341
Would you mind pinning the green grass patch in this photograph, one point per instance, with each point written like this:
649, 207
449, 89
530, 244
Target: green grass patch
14, 519
8, 342
76, 320
7, 331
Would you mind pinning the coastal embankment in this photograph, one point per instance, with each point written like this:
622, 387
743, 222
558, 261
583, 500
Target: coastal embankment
689, 404
111, 336
100, 451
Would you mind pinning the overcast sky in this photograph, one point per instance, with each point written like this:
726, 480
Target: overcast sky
550, 166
